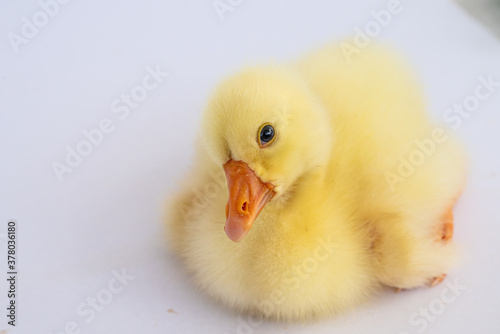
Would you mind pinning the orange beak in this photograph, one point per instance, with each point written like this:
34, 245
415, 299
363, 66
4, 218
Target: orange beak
247, 197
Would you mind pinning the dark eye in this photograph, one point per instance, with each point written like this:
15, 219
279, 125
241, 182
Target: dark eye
266, 135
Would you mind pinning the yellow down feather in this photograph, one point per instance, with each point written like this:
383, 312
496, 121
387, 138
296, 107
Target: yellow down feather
362, 180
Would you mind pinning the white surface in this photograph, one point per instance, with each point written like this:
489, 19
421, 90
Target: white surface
106, 214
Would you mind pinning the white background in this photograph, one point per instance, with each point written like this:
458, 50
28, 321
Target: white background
107, 213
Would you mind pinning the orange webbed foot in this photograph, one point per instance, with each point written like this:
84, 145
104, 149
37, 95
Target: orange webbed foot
447, 230
436, 280
444, 234
444, 231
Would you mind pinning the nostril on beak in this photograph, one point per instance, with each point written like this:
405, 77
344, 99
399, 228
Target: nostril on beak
244, 207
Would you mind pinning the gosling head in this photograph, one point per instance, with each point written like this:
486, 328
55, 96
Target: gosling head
266, 130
